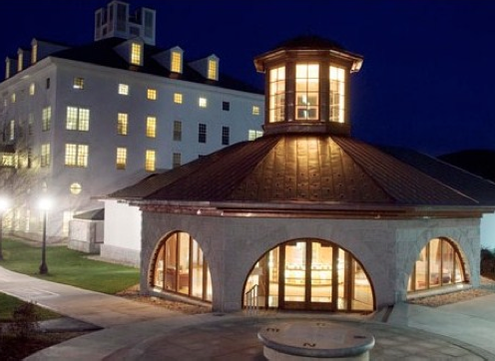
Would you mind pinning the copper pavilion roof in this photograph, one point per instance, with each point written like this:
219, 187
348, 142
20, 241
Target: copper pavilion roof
302, 169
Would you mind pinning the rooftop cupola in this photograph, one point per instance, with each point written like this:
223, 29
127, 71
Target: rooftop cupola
307, 86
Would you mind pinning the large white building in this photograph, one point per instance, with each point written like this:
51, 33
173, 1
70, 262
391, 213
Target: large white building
81, 122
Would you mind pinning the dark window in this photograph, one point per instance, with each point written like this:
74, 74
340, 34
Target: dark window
176, 160
48, 83
225, 135
226, 106
202, 133
177, 130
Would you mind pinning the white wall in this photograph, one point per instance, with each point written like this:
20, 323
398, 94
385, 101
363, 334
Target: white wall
122, 233
488, 231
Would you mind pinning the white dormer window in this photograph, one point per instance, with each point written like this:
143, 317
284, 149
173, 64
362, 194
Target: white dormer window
34, 54
203, 102
136, 53
20, 60
176, 62
7, 69
212, 69
32, 88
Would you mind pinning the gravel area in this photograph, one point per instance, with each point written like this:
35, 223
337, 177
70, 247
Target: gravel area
487, 287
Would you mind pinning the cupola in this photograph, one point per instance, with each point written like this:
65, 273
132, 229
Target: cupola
307, 86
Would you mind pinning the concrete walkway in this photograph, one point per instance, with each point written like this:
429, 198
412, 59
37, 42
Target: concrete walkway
136, 331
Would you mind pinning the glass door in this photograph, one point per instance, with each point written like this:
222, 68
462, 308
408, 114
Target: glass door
306, 271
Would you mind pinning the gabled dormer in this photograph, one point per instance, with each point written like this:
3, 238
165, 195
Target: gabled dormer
132, 51
208, 67
23, 59
117, 21
171, 59
41, 49
307, 82
10, 67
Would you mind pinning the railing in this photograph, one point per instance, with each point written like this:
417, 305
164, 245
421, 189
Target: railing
251, 298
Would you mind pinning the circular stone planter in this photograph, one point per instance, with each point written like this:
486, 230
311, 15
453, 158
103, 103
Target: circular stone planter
311, 340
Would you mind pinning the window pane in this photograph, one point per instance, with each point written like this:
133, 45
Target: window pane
171, 263
184, 244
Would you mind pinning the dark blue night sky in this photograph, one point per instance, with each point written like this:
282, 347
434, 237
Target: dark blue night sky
427, 81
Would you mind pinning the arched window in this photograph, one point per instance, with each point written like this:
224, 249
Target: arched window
179, 266
309, 274
439, 264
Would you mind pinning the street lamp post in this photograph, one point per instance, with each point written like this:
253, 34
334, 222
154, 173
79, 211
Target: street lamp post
44, 205
3, 207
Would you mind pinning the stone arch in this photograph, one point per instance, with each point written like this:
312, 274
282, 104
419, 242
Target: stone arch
178, 266
334, 280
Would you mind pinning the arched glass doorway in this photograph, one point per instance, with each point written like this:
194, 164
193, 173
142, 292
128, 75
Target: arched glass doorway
309, 274
178, 266
439, 264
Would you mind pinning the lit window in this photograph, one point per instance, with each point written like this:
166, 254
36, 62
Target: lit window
256, 110
151, 94
122, 124
203, 102
77, 119
136, 53
212, 69
307, 91
12, 98
75, 188
149, 164
337, 94
151, 127
226, 106
8, 160
176, 62
76, 155
46, 118
20, 60
254, 134
179, 251
178, 98
225, 135
276, 95
123, 89
7, 69
177, 133
438, 264
45, 155
12, 130
176, 160
121, 160
202, 133
78, 83
32, 88
34, 53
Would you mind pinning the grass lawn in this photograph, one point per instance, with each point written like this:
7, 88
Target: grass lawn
68, 266
8, 304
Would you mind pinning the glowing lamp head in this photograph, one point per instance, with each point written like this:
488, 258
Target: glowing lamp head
45, 204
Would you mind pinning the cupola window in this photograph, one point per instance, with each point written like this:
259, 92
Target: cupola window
307, 84
337, 94
277, 95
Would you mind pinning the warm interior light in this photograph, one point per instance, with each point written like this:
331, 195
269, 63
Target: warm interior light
45, 204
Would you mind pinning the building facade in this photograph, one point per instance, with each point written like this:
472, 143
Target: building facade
306, 217
81, 122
